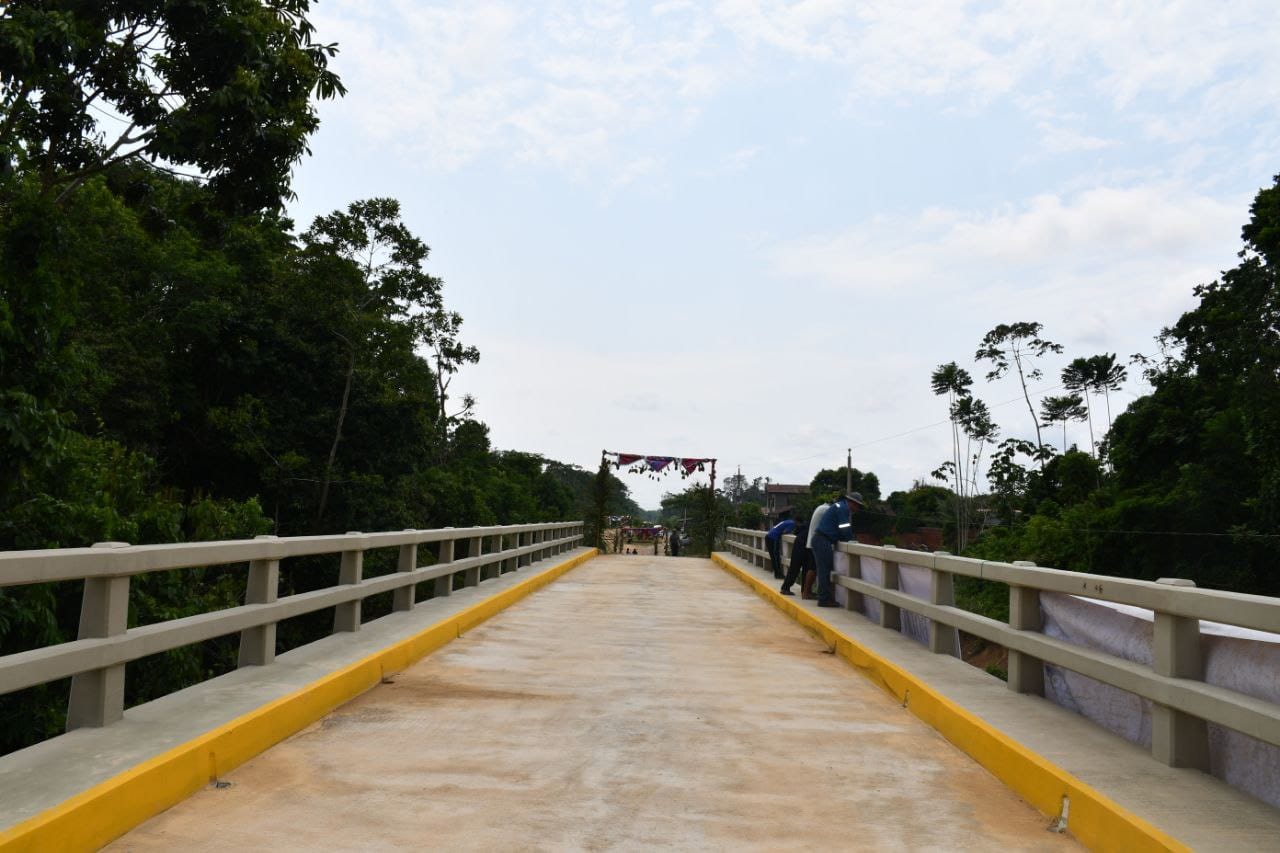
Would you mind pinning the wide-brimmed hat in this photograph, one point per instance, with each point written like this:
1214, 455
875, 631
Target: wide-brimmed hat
856, 497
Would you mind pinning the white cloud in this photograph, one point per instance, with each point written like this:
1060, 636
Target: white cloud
573, 85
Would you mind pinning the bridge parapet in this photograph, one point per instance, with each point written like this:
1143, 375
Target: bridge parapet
1182, 703
96, 660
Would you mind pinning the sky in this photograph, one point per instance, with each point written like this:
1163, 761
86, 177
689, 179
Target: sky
750, 230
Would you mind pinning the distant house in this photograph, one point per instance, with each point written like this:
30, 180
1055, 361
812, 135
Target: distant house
779, 499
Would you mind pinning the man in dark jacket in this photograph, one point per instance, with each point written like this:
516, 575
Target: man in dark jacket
836, 526
801, 557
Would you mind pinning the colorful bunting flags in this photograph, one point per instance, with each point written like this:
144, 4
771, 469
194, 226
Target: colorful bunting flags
659, 465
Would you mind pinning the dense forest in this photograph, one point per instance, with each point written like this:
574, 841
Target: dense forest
178, 361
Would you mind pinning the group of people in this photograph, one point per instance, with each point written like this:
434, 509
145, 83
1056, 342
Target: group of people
814, 552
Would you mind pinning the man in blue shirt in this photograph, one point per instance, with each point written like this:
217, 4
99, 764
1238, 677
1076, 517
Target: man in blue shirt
835, 525
773, 542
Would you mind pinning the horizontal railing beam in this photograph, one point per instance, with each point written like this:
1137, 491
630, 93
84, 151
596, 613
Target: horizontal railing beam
39, 666
1243, 610
62, 564
1255, 717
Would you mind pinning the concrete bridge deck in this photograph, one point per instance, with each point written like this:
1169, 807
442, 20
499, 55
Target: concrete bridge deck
636, 702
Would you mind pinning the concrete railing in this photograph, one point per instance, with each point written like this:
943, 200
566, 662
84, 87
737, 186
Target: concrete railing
1182, 703
95, 661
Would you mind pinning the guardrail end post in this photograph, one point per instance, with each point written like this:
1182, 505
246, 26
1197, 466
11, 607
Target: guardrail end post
97, 696
1178, 739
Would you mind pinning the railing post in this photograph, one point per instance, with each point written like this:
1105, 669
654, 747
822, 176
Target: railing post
1026, 673
942, 590
852, 598
890, 614
97, 696
258, 645
402, 599
1178, 739
471, 577
444, 584
346, 616
497, 545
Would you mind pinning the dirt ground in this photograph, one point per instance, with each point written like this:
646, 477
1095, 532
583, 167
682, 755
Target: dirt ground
636, 703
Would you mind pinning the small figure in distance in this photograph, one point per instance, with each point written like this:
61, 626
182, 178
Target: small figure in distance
773, 543
801, 561
835, 525
675, 543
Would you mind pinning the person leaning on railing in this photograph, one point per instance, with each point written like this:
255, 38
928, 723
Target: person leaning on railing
801, 561
835, 525
773, 542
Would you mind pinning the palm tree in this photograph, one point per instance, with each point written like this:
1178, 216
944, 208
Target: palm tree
1069, 407
954, 381
1078, 377
1107, 376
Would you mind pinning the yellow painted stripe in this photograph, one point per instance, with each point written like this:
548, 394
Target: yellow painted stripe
108, 810
1095, 819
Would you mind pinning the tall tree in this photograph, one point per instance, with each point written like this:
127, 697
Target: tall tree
955, 382
1078, 377
387, 290
1062, 409
1106, 376
224, 88
1017, 345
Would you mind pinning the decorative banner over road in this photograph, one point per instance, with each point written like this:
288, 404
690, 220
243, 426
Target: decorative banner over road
660, 466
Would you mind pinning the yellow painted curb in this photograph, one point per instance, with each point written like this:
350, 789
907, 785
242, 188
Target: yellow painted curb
1095, 820
111, 808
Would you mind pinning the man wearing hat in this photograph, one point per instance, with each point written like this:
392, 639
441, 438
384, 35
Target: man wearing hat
835, 525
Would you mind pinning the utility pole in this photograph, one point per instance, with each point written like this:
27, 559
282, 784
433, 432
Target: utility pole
848, 472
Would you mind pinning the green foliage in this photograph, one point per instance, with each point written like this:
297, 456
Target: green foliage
1192, 488
749, 515
222, 87
702, 514
828, 484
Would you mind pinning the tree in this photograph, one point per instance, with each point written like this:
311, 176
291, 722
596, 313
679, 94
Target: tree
830, 482
1069, 407
953, 381
979, 430
971, 419
224, 88
377, 284
1106, 376
739, 489
1017, 345
1261, 233
440, 333
1078, 377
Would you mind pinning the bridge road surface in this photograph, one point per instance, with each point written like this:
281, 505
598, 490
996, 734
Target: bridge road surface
638, 702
